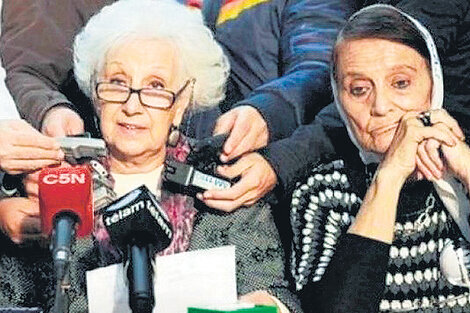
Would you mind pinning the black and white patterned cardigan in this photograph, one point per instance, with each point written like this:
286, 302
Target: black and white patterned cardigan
322, 209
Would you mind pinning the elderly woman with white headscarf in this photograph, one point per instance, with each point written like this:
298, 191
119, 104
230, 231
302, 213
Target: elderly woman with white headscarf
400, 204
144, 63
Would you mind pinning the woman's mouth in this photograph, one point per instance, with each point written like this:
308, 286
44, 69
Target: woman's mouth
130, 128
383, 129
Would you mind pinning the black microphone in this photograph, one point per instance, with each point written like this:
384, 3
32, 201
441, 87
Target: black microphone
139, 227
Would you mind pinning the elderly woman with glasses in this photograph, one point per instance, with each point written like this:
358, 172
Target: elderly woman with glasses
144, 63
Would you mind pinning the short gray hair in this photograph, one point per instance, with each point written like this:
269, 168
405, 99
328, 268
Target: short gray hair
201, 56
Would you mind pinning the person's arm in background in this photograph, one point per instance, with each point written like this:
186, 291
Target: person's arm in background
293, 158
274, 110
22, 147
308, 29
36, 51
282, 163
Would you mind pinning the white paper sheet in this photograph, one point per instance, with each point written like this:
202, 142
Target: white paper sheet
195, 278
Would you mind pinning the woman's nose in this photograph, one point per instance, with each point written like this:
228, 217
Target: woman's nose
382, 103
132, 105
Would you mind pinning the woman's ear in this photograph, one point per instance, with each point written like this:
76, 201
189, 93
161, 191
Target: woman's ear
184, 101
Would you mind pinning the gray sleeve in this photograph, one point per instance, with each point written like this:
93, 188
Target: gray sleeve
36, 50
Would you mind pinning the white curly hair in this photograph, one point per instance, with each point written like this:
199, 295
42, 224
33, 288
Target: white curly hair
201, 56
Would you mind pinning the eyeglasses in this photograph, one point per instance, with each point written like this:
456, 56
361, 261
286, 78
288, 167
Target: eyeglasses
150, 97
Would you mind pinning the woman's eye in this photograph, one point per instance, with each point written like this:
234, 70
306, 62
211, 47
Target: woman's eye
117, 81
358, 91
156, 85
401, 84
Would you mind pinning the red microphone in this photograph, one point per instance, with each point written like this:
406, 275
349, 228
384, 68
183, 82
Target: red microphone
66, 190
65, 203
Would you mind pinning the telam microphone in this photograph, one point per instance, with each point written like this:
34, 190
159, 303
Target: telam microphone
139, 227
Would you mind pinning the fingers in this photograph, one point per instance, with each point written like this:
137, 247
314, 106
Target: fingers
257, 179
225, 123
457, 160
444, 130
440, 120
250, 139
31, 226
410, 148
61, 121
35, 139
419, 175
35, 153
74, 125
429, 161
31, 185
423, 171
259, 297
20, 133
239, 141
227, 201
442, 116
441, 134
233, 193
235, 196
32, 190
18, 160
19, 218
25, 149
236, 169
15, 167
247, 130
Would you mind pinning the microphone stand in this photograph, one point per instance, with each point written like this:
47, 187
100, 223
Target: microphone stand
140, 276
61, 300
64, 234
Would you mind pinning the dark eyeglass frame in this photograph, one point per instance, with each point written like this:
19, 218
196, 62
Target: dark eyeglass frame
173, 95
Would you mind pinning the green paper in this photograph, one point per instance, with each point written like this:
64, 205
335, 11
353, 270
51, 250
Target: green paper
256, 309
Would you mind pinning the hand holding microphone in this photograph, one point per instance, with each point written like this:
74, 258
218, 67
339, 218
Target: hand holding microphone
19, 217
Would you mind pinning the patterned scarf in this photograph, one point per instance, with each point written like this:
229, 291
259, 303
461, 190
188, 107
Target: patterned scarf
179, 208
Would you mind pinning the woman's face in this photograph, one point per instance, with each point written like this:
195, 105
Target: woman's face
130, 129
378, 82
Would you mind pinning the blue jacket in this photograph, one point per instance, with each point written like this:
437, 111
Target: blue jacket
279, 52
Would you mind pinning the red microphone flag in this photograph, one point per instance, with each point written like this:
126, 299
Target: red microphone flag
66, 189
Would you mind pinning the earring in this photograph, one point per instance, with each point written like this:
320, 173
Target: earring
174, 136
192, 81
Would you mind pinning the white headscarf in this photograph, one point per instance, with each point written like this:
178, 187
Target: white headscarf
451, 192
